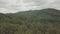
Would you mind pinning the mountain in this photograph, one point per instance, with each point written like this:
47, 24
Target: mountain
43, 16
45, 21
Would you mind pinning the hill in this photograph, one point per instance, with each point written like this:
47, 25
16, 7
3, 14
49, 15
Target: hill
43, 16
45, 21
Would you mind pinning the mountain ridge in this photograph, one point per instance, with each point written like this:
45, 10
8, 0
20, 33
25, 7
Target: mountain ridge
48, 15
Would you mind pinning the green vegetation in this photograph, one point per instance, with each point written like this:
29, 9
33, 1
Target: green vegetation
46, 21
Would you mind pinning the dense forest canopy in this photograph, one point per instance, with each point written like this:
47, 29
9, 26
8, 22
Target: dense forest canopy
46, 21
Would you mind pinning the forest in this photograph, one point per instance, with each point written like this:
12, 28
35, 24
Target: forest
45, 21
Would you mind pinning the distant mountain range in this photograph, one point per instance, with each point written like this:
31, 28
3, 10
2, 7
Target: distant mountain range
43, 16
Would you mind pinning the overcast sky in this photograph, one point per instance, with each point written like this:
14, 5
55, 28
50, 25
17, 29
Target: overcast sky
12, 6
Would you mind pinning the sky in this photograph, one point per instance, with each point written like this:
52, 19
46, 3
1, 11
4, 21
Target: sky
12, 6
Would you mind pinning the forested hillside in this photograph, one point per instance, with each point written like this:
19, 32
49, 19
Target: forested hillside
46, 21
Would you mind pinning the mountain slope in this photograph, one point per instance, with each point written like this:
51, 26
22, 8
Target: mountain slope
46, 21
44, 16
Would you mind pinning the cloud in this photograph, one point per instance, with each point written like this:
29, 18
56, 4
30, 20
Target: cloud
8, 6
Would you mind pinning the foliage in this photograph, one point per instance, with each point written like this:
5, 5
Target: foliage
46, 21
